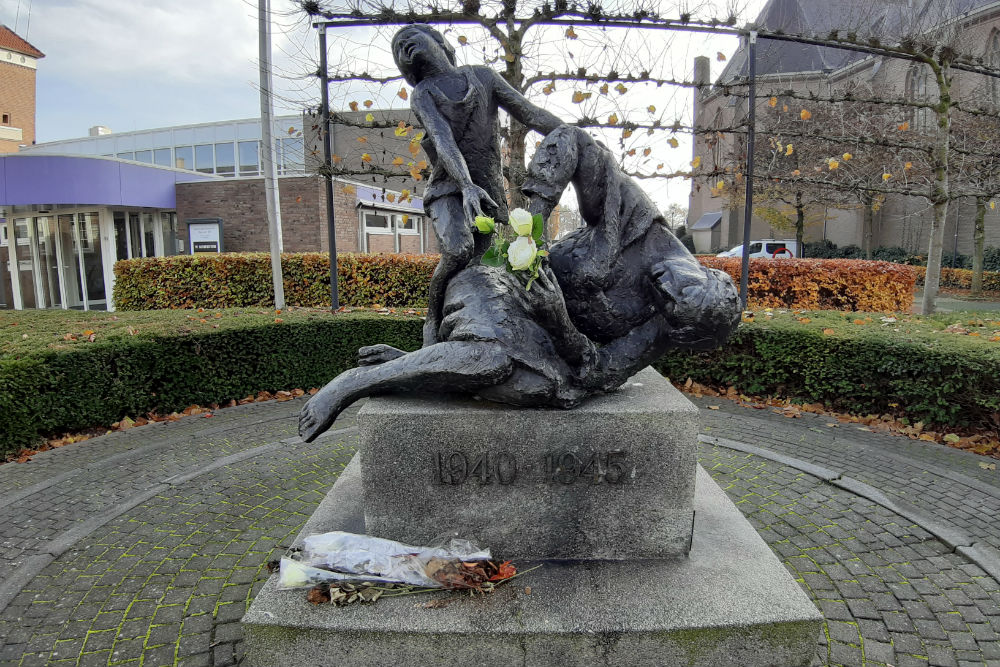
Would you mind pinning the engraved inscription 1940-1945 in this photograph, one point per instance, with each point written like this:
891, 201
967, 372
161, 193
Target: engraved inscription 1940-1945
455, 468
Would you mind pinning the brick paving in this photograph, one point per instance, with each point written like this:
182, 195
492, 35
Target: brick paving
145, 547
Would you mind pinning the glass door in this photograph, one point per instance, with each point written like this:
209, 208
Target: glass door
72, 267
48, 291
21, 251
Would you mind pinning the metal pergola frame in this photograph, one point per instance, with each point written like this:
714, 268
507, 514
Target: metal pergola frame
750, 33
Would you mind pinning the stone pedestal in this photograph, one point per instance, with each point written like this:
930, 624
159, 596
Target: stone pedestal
728, 602
611, 479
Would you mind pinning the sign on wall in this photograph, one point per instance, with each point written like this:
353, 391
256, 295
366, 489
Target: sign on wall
205, 236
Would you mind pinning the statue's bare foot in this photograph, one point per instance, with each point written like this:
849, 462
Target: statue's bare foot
320, 412
373, 355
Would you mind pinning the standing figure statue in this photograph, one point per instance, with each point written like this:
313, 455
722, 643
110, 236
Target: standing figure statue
618, 293
457, 106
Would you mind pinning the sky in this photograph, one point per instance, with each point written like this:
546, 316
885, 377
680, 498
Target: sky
143, 64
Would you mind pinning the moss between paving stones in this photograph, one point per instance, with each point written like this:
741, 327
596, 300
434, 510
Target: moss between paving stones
53, 379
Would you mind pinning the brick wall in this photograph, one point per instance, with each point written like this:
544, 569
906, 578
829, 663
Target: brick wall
240, 204
17, 98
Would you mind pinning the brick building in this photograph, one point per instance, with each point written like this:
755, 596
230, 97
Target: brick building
822, 71
18, 62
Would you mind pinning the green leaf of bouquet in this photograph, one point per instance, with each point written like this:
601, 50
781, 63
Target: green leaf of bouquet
492, 258
537, 227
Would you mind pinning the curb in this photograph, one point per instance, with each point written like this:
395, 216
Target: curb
981, 553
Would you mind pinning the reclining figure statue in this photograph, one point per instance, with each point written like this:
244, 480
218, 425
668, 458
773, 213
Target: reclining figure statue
616, 295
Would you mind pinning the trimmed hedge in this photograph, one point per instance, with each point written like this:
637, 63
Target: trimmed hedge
244, 280
823, 284
936, 376
961, 278
99, 383
954, 382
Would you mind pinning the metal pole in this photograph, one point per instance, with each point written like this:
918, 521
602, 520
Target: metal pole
267, 154
954, 252
748, 206
331, 227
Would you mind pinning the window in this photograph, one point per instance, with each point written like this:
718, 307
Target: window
225, 159
378, 223
406, 224
993, 60
204, 158
249, 158
161, 157
292, 158
144, 156
6, 119
184, 157
125, 156
755, 247
917, 88
385, 231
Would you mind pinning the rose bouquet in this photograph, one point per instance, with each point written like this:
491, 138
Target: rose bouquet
524, 252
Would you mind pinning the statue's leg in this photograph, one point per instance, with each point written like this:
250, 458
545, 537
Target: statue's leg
445, 367
457, 245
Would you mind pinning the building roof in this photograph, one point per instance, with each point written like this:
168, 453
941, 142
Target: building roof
11, 41
707, 221
886, 19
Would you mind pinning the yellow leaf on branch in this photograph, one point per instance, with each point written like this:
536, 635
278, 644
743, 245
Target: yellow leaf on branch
696, 162
773, 102
673, 142
613, 119
570, 33
805, 114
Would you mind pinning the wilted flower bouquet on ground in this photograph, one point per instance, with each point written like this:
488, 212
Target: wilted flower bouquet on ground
525, 252
343, 567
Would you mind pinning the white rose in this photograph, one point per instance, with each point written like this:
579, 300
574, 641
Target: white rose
520, 222
521, 253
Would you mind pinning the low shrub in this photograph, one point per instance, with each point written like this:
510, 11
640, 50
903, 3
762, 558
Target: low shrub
939, 378
961, 278
244, 280
823, 284
164, 369
913, 367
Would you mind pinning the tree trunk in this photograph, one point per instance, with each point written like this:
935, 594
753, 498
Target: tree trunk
518, 133
940, 190
979, 239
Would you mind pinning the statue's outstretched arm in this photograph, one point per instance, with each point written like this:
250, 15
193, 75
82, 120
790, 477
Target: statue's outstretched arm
518, 106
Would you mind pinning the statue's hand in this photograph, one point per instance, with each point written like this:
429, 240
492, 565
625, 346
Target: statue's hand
684, 287
473, 198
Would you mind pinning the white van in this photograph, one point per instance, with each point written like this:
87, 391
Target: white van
769, 248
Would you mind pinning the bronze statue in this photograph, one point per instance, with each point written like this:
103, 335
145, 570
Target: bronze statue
616, 295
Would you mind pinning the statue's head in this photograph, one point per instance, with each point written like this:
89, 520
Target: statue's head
416, 44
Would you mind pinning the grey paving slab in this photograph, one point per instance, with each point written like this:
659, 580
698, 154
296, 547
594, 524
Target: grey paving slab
191, 511
944, 483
